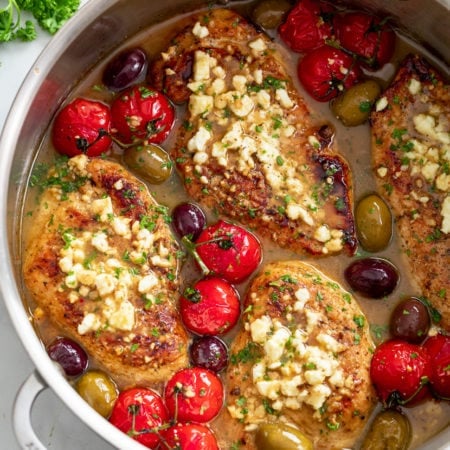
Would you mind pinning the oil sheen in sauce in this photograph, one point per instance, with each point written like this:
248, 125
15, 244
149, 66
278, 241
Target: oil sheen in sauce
353, 143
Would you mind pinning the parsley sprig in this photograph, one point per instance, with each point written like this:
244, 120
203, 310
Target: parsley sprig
49, 14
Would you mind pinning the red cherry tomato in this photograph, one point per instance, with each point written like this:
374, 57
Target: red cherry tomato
190, 436
229, 251
438, 348
210, 307
141, 113
194, 394
82, 126
367, 37
140, 413
325, 72
308, 25
400, 372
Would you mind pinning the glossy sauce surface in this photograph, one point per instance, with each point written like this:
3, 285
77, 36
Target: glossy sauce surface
354, 145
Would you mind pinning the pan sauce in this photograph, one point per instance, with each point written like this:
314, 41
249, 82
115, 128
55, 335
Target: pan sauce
353, 143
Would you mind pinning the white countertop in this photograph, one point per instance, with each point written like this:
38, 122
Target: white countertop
56, 426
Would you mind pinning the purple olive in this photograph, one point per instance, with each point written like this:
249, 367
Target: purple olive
209, 352
70, 356
127, 68
410, 320
188, 219
372, 277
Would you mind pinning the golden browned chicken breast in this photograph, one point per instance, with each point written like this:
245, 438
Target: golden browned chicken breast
411, 158
248, 147
302, 358
102, 265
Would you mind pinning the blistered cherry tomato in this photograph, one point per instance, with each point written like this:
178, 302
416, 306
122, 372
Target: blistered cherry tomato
82, 126
438, 348
368, 37
211, 306
189, 436
141, 113
229, 250
70, 356
326, 71
140, 413
194, 394
308, 25
400, 372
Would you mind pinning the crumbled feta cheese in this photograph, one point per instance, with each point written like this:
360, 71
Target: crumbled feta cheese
200, 104
100, 242
283, 97
90, 322
381, 104
199, 140
147, 283
295, 212
200, 31
258, 45
302, 295
445, 213
260, 328
414, 86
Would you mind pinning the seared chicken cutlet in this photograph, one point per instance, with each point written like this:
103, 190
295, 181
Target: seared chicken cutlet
248, 148
102, 265
411, 159
302, 358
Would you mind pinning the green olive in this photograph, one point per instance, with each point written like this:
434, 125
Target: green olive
149, 161
98, 390
390, 430
270, 13
353, 106
279, 436
373, 223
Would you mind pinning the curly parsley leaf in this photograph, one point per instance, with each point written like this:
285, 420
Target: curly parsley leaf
49, 14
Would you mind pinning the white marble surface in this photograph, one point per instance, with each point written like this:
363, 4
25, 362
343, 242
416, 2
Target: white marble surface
53, 422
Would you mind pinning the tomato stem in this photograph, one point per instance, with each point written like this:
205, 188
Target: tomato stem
192, 250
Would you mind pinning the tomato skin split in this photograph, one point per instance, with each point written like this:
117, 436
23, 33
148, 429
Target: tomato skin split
400, 372
194, 394
210, 307
438, 348
82, 127
189, 436
229, 251
140, 413
308, 25
326, 72
141, 114
367, 37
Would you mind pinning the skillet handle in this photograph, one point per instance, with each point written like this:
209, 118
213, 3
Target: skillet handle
23, 404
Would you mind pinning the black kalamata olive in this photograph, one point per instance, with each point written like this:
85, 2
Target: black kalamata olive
410, 320
70, 356
188, 219
209, 352
372, 277
127, 68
